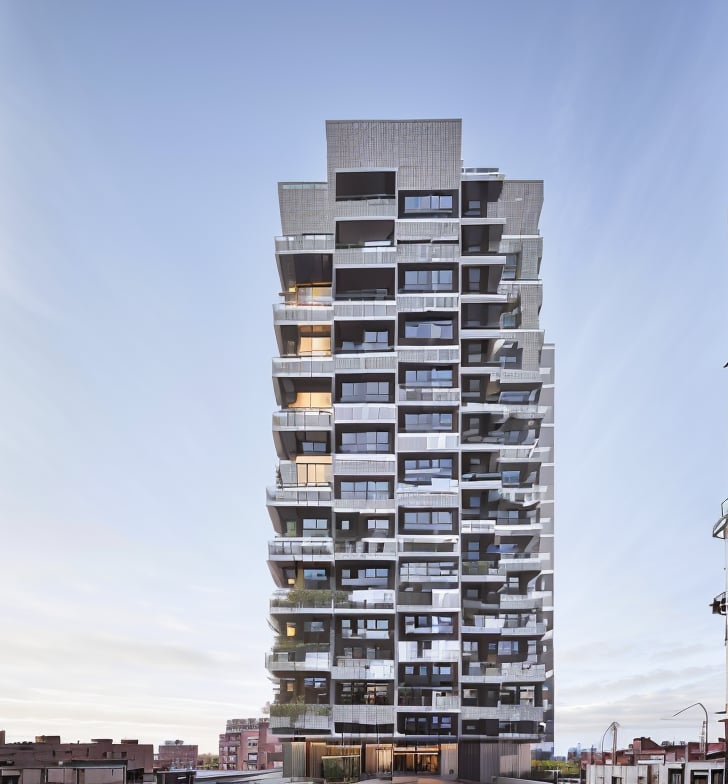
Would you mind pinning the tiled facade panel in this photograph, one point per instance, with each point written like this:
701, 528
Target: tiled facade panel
304, 207
426, 153
520, 204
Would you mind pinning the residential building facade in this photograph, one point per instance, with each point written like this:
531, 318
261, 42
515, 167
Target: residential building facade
47, 760
247, 744
177, 755
413, 507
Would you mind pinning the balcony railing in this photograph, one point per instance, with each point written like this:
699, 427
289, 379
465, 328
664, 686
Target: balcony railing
364, 466
301, 549
304, 242
299, 496
281, 661
417, 442
364, 412
302, 419
295, 314
346, 668
418, 302
426, 252
365, 257
427, 395
364, 362
366, 309
297, 716
428, 354
300, 366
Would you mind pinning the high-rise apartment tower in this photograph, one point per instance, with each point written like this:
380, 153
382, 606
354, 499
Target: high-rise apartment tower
413, 507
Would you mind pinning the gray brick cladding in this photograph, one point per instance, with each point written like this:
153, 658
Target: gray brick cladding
426, 153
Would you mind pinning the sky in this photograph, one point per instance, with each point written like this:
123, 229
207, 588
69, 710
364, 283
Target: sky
140, 147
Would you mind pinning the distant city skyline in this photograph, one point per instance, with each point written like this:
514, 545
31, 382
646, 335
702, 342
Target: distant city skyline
140, 145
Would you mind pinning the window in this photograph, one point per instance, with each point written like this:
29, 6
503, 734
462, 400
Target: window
367, 441
315, 575
428, 520
377, 526
428, 377
423, 470
427, 280
426, 329
428, 422
426, 204
365, 391
315, 627
364, 489
510, 269
371, 340
314, 341
318, 524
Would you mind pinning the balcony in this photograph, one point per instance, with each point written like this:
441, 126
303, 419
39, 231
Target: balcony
366, 599
426, 700
437, 599
448, 498
481, 570
364, 412
423, 354
374, 207
297, 314
305, 473
365, 257
367, 549
294, 717
419, 442
503, 713
516, 672
299, 496
419, 303
295, 243
298, 661
427, 545
364, 309
427, 394
362, 669
386, 360
302, 366
373, 715
294, 600
364, 466
303, 549
426, 252
302, 420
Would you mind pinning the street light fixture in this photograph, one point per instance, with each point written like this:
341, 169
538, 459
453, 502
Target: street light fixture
704, 734
613, 727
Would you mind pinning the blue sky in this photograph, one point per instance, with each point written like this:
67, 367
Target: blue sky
140, 147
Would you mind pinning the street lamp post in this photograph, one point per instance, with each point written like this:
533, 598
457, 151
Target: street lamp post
704, 738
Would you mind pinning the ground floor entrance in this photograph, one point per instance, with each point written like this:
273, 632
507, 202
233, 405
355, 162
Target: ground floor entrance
416, 759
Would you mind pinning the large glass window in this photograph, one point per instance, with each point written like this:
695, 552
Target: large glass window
368, 441
427, 280
364, 489
428, 422
428, 377
424, 469
427, 329
365, 391
427, 520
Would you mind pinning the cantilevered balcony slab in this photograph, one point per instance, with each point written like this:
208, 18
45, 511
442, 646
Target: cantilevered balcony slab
366, 208
303, 419
428, 395
374, 715
302, 314
299, 243
429, 252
